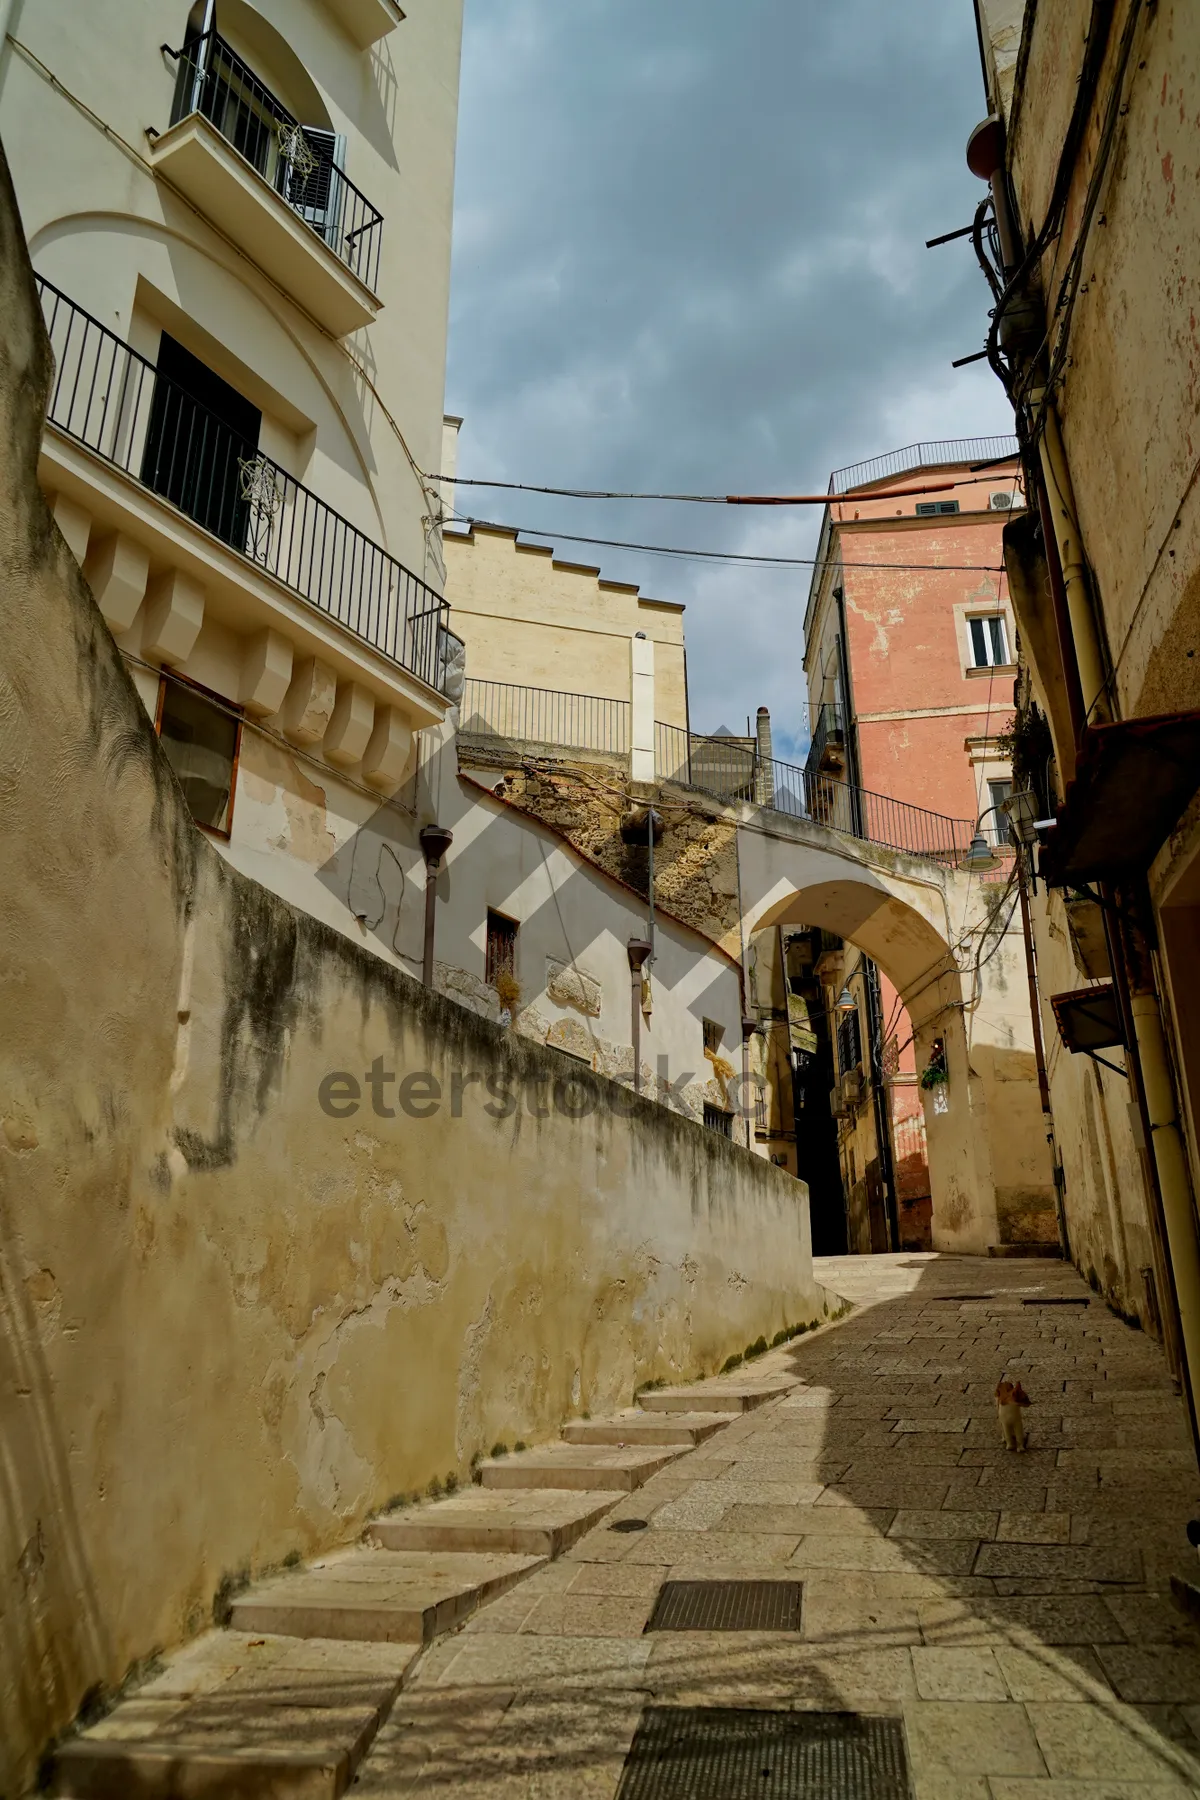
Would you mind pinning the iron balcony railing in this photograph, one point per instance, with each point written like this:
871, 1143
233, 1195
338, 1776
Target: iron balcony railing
303, 163
721, 765
545, 716
115, 402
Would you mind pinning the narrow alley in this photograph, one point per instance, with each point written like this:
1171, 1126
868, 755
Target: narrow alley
1003, 1623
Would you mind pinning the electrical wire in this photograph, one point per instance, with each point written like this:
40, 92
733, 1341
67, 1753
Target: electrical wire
826, 499
730, 556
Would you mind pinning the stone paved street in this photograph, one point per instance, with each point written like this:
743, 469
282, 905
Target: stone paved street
1014, 1610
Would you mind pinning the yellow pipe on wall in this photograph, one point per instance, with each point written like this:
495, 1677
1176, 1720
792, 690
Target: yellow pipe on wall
1061, 494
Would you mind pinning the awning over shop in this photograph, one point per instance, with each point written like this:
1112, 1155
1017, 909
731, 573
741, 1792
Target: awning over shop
1133, 779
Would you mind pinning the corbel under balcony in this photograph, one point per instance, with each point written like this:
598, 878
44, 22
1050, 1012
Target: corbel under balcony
195, 159
143, 554
365, 21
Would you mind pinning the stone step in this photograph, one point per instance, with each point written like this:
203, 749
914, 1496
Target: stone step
686, 1429
584, 1468
380, 1596
536, 1523
724, 1395
236, 1717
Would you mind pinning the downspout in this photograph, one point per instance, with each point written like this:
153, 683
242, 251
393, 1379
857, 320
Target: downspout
1063, 516
1166, 1139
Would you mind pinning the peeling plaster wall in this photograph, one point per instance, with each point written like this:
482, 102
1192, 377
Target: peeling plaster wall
231, 1324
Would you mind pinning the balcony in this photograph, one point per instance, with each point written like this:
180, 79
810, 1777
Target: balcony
543, 718
256, 535
365, 21
271, 184
827, 751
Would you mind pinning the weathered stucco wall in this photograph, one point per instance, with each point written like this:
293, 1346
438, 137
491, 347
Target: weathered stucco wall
231, 1323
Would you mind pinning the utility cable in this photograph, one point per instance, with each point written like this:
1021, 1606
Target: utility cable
826, 499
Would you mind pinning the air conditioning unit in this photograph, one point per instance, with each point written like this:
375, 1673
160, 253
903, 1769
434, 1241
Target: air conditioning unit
837, 1104
1002, 502
852, 1087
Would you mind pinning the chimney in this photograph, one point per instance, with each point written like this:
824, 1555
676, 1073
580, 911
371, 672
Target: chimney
764, 776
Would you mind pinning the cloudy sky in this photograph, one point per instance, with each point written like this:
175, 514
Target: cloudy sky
689, 255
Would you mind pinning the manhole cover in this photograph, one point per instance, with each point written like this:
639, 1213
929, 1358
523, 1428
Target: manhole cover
727, 1606
629, 1525
723, 1753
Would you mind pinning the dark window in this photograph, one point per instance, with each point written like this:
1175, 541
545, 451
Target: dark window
849, 1043
713, 1034
201, 434
929, 509
501, 947
989, 642
201, 742
718, 1120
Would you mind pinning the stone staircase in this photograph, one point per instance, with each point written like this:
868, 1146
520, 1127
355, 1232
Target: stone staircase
286, 1700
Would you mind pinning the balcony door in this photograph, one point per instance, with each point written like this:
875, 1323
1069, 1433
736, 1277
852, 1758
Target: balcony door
201, 438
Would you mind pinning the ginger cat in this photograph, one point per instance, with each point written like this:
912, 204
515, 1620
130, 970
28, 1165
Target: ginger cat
1010, 1399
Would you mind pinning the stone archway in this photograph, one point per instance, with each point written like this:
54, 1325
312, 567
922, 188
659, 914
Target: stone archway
938, 937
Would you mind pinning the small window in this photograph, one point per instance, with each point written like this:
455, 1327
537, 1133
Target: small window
501, 947
989, 642
1001, 826
718, 1120
931, 509
201, 740
849, 1043
713, 1034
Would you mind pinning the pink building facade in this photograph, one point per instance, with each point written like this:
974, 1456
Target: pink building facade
910, 654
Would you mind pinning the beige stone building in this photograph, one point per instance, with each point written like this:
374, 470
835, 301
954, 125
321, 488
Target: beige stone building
239, 217
555, 653
1089, 228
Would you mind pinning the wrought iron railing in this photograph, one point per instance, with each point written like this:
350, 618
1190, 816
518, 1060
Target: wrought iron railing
731, 769
116, 403
721, 765
923, 456
544, 716
301, 162
876, 818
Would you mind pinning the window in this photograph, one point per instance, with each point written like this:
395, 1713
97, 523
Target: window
501, 947
718, 1120
929, 509
1000, 824
713, 1034
201, 743
200, 433
989, 642
849, 1043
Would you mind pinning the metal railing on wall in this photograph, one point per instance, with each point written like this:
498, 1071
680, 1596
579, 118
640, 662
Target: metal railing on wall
115, 402
923, 456
301, 162
544, 716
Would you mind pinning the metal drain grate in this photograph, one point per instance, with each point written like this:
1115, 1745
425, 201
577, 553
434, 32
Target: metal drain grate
1059, 1300
630, 1525
727, 1606
722, 1753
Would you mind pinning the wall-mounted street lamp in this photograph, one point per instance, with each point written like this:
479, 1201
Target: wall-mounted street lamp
435, 841
846, 1003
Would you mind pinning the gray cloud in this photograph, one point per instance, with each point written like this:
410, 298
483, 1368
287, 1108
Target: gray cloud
689, 254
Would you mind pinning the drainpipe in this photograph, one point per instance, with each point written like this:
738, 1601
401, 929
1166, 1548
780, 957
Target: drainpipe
435, 841
1063, 516
1164, 1274
638, 950
1166, 1139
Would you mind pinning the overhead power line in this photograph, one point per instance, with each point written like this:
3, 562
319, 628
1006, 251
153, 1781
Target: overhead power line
527, 487
731, 556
